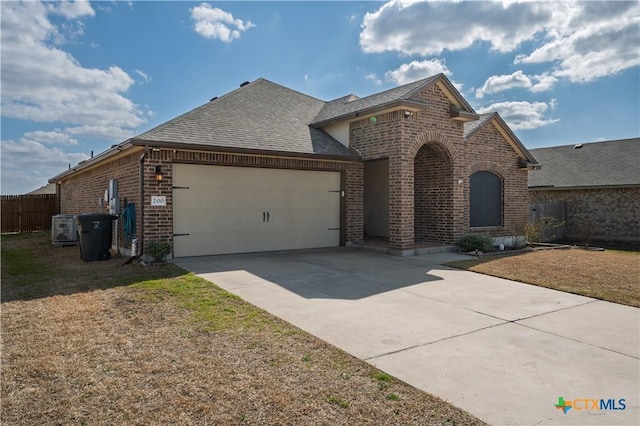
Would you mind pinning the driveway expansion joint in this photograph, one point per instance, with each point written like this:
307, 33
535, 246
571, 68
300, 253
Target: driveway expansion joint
576, 340
422, 345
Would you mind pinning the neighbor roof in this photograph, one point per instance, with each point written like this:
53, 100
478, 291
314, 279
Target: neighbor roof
261, 116
609, 163
46, 189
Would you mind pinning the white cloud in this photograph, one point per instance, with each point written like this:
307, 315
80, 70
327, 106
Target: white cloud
581, 40
522, 115
72, 10
28, 164
145, 76
45, 84
374, 78
42, 83
212, 22
429, 28
498, 83
544, 83
112, 133
50, 137
417, 70
595, 39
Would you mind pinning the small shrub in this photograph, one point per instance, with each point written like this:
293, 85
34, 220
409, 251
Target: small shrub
471, 242
532, 232
158, 250
535, 230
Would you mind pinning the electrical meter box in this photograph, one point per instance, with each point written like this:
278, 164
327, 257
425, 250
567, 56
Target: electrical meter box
114, 201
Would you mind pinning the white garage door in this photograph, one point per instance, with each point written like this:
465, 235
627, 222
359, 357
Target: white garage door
220, 209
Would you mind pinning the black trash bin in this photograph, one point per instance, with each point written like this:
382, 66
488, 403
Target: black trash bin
95, 236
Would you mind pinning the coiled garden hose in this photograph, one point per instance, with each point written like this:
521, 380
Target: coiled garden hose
129, 222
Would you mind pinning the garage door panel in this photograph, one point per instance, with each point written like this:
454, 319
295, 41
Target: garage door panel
224, 209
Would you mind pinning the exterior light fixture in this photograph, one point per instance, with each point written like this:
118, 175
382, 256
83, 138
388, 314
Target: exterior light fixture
408, 114
159, 175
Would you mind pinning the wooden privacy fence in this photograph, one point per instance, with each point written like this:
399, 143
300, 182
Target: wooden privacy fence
550, 230
27, 213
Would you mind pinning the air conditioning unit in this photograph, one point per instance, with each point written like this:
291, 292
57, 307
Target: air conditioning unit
64, 230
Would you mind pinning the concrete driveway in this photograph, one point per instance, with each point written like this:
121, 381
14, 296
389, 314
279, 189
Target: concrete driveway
502, 350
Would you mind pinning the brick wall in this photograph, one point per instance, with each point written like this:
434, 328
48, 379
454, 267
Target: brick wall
159, 220
487, 149
605, 214
440, 172
80, 192
433, 195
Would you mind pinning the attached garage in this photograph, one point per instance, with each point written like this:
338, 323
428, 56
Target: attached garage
228, 209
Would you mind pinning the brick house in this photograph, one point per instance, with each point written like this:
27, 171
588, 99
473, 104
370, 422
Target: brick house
267, 168
597, 183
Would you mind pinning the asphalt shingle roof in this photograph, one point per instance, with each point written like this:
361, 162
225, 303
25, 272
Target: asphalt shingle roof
344, 106
260, 115
472, 126
609, 163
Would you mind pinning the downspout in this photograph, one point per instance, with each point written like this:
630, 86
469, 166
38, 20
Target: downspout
141, 202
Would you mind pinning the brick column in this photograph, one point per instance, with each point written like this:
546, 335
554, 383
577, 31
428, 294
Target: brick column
401, 209
460, 201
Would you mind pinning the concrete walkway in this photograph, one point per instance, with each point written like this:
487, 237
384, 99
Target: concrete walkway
502, 350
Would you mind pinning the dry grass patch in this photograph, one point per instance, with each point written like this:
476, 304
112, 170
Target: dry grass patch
103, 343
608, 275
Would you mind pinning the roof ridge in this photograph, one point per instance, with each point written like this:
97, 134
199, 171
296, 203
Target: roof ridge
288, 88
589, 143
430, 79
219, 99
419, 86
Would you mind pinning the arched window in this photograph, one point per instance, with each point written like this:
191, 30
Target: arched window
485, 199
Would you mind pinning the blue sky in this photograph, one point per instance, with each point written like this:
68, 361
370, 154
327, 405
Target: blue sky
80, 76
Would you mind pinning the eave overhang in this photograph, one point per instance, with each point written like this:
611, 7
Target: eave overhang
113, 153
524, 164
461, 115
245, 151
413, 105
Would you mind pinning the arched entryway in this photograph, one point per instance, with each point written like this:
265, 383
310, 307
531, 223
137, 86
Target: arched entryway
433, 194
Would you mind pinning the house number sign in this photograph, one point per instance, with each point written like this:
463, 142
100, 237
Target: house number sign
158, 200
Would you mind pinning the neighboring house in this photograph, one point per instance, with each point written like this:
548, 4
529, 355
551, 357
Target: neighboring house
49, 188
267, 168
599, 185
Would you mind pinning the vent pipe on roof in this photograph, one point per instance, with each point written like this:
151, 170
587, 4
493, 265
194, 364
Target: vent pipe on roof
577, 146
213, 99
244, 84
